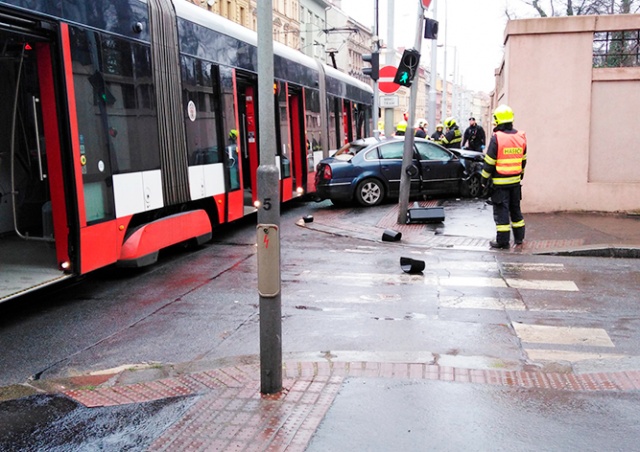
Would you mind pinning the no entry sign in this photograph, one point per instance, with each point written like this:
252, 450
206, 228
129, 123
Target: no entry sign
385, 83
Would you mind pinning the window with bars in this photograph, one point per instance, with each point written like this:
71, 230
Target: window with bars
616, 49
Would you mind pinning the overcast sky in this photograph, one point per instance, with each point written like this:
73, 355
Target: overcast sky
475, 33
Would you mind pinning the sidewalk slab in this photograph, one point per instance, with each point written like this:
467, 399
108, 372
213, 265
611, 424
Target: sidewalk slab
231, 414
386, 415
469, 226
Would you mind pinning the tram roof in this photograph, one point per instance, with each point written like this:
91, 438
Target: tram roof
339, 75
194, 13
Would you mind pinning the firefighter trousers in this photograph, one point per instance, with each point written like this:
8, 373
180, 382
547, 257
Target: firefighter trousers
507, 214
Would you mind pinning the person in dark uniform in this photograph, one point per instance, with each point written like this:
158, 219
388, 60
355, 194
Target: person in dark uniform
504, 164
474, 137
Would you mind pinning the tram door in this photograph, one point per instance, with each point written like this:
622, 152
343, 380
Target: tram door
300, 147
33, 225
248, 121
347, 121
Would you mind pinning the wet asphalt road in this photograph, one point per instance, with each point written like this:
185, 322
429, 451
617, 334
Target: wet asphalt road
342, 298
202, 306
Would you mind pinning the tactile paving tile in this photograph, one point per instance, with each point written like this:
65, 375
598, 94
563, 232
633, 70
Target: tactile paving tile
238, 417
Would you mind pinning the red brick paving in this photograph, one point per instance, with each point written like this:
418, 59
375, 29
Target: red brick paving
231, 414
335, 221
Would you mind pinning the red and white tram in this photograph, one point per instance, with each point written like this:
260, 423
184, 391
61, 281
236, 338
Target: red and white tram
131, 125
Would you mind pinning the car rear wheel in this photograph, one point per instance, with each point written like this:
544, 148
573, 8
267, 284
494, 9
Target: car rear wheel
370, 192
472, 187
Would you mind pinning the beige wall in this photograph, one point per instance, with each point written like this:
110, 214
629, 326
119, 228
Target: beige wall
581, 123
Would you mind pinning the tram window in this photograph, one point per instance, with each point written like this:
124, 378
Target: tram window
121, 125
129, 96
226, 109
116, 56
94, 195
332, 123
283, 137
200, 117
115, 107
336, 126
360, 118
313, 125
145, 95
132, 127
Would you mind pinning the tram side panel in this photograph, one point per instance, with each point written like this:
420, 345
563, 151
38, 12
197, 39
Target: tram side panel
106, 124
129, 193
121, 191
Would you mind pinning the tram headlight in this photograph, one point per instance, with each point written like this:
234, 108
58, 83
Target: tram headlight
300, 191
65, 266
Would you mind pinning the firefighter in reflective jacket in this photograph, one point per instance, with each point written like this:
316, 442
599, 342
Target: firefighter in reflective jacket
504, 164
453, 137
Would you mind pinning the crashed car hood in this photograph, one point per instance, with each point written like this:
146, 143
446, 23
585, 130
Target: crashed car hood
468, 154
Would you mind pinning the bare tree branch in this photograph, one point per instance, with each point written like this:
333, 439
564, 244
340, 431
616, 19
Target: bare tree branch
583, 7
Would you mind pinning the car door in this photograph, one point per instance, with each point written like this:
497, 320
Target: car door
390, 155
441, 170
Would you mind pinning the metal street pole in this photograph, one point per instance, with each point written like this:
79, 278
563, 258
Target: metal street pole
444, 76
390, 58
454, 87
268, 229
376, 93
433, 95
407, 156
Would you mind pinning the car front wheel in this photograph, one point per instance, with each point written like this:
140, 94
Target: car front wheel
370, 192
472, 187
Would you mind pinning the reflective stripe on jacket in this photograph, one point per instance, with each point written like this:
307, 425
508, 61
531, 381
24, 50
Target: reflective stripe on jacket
511, 148
453, 138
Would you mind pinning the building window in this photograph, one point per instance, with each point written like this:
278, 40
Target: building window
616, 49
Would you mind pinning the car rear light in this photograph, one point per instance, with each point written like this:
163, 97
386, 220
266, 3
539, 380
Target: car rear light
326, 173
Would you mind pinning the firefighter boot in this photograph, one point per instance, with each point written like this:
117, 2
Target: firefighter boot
502, 241
518, 235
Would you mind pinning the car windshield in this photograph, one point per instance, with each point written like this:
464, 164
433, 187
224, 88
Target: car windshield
349, 150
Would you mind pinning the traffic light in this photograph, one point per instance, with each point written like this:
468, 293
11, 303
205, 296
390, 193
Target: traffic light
374, 70
430, 29
407, 68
